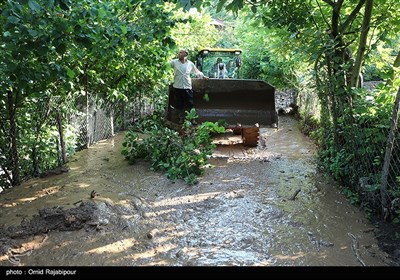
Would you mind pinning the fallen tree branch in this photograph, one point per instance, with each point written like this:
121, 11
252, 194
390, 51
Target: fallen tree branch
75, 203
354, 247
293, 197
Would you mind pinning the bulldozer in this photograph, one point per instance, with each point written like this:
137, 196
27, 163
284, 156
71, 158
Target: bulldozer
225, 95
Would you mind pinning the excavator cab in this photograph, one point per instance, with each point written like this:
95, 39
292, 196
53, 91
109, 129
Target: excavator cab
219, 63
232, 99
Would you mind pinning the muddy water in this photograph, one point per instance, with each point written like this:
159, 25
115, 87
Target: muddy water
255, 207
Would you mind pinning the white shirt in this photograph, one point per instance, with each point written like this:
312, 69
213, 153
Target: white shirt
182, 73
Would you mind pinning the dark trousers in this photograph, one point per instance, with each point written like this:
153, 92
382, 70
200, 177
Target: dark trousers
184, 99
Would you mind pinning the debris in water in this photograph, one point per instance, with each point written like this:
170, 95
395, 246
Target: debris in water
93, 194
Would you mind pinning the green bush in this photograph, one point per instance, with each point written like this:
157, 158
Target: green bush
182, 155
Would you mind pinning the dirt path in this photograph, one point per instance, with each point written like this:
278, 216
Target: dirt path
241, 213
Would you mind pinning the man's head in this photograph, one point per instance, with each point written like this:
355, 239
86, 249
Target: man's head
182, 53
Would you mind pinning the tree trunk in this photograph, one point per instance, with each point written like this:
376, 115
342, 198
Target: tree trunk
336, 7
35, 164
123, 115
355, 74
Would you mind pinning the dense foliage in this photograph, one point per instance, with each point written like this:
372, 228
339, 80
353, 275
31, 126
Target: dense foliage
321, 48
58, 57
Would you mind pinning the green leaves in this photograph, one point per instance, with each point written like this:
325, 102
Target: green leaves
186, 4
32, 32
123, 29
13, 19
220, 5
34, 6
101, 13
182, 156
70, 73
235, 5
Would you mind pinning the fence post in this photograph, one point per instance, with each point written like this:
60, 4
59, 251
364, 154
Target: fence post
112, 122
388, 155
87, 120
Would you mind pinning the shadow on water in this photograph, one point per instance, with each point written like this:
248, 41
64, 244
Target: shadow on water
256, 207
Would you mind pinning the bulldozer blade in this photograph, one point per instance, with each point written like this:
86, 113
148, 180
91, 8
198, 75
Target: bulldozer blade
236, 101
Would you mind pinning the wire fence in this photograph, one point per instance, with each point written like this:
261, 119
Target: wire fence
92, 125
86, 123
99, 122
372, 154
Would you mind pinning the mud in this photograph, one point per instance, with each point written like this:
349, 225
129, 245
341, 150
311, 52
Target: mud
255, 207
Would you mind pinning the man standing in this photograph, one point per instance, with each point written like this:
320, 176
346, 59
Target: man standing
220, 71
182, 81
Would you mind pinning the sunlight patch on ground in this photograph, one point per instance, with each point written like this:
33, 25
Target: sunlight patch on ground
225, 256
172, 230
74, 168
104, 199
294, 257
160, 212
264, 263
39, 194
83, 185
185, 199
165, 239
233, 194
231, 180
116, 247
128, 217
8, 205
48, 191
36, 243
27, 199
158, 263
99, 144
123, 202
63, 244
151, 253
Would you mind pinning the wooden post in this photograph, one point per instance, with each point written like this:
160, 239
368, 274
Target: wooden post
250, 136
112, 122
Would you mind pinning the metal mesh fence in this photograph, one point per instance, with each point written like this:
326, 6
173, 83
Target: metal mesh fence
94, 122
92, 125
88, 121
378, 170
372, 153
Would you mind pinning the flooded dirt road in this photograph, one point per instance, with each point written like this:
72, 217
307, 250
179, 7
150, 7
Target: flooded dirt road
265, 206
